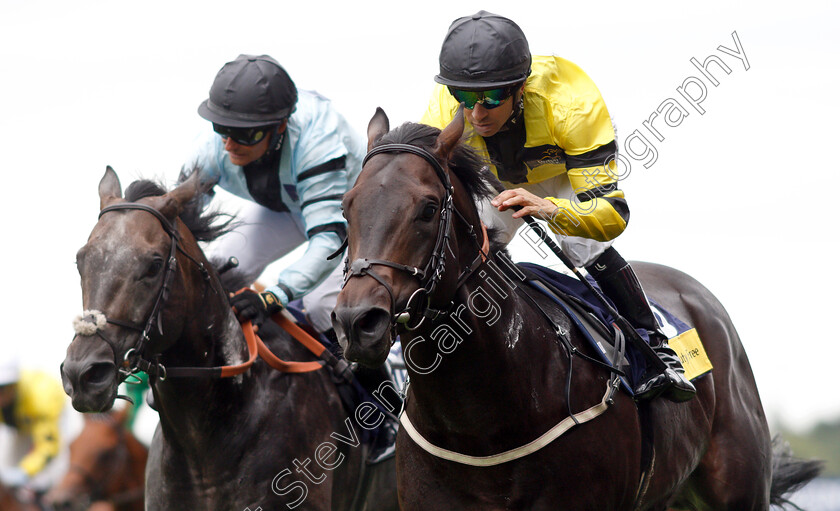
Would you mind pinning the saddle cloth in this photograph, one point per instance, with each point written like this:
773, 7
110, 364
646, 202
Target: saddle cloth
595, 322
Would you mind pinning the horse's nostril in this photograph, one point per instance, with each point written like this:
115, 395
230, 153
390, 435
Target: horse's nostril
371, 320
98, 373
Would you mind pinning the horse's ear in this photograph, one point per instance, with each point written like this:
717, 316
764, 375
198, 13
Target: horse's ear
449, 137
377, 127
178, 198
109, 188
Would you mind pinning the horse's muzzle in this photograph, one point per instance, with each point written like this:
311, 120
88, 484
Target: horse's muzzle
364, 333
89, 376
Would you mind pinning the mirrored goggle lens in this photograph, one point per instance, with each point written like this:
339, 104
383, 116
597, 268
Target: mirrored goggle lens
489, 99
244, 136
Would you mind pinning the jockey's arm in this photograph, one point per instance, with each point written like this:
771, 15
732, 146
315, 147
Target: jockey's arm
583, 128
311, 269
598, 210
320, 188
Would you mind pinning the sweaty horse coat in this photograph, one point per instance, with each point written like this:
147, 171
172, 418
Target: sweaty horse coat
489, 371
222, 443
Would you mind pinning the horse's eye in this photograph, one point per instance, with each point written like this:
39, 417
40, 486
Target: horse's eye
428, 212
154, 267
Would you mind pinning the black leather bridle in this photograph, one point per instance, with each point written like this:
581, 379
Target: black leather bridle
418, 304
135, 359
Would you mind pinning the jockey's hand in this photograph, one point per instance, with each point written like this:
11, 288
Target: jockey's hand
529, 203
254, 307
13, 477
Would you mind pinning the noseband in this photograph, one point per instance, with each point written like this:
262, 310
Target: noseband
134, 359
431, 275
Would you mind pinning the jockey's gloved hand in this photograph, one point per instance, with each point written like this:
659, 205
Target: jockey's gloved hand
255, 307
13, 477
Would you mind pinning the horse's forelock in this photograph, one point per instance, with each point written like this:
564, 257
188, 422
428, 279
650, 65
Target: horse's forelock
143, 188
203, 225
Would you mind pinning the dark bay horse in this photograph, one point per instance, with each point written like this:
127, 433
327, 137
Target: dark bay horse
107, 468
233, 433
488, 371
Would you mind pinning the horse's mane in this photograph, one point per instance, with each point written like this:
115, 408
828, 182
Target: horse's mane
234, 279
470, 168
205, 226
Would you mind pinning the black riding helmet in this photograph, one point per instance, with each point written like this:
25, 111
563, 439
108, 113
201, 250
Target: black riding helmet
251, 91
484, 51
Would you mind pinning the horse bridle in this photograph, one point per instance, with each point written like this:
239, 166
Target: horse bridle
134, 359
432, 273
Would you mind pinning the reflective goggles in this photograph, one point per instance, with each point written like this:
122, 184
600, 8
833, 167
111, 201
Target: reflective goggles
244, 136
489, 99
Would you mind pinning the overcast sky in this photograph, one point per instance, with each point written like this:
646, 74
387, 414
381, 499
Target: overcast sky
740, 196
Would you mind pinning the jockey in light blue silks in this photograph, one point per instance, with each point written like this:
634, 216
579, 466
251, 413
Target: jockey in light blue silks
293, 156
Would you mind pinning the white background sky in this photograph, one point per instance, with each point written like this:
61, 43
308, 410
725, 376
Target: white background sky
740, 197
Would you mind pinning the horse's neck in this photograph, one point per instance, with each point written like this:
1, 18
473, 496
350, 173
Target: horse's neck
210, 334
127, 494
488, 324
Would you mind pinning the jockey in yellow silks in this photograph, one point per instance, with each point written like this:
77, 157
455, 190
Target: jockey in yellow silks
546, 133
31, 403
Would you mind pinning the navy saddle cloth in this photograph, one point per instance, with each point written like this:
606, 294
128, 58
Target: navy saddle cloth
579, 293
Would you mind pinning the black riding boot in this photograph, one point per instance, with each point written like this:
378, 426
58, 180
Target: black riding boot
618, 281
381, 386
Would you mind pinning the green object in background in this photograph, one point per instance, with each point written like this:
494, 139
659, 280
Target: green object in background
137, 392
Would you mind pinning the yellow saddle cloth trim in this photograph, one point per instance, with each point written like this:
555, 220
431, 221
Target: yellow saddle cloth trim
692, 354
